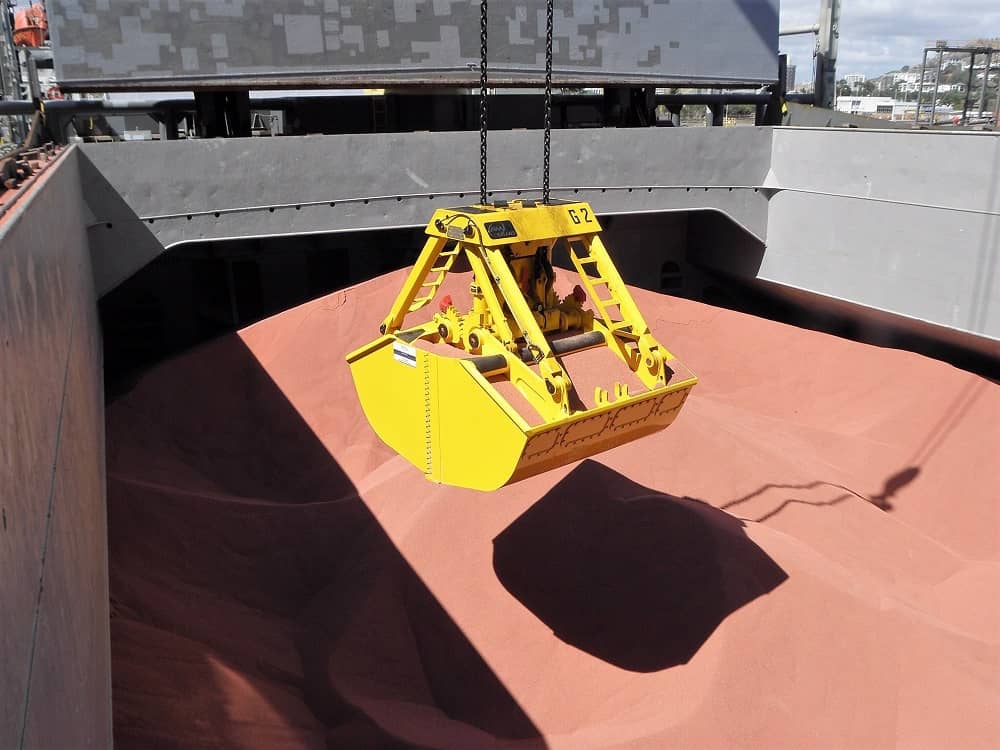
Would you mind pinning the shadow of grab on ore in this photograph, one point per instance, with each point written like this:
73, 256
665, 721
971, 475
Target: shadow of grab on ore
634, 577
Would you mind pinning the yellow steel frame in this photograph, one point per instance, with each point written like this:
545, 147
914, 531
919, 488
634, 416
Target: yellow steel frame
509, 250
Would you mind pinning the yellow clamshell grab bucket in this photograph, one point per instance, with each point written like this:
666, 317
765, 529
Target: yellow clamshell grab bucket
482, 399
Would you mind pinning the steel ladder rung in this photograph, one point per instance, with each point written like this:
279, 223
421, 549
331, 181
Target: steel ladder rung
622, 329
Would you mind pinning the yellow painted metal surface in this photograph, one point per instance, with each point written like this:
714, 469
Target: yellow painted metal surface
447, 415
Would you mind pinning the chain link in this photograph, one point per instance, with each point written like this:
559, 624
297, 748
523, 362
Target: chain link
547, 138
482, 102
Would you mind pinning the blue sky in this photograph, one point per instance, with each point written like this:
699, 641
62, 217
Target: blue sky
881, 35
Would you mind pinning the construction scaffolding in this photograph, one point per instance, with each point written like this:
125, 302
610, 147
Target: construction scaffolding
942, 47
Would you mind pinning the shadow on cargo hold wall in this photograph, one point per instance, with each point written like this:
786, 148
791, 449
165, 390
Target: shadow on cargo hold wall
721, 268
196, 292
120, 243
237, 540
634, 577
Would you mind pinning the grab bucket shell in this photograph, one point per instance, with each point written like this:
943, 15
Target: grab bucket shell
448, 419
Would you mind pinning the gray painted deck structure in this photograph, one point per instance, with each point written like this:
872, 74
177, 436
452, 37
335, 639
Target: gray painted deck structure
905, 222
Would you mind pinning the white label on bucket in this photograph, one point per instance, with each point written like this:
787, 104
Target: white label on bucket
405, 354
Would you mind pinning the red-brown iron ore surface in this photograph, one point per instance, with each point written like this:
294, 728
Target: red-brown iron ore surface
808, 557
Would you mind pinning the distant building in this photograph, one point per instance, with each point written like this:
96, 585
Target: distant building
870, 106
885, 83
886, 108
910, 81
790, 78
854, 80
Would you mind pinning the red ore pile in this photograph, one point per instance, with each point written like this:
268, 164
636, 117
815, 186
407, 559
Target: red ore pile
808, 557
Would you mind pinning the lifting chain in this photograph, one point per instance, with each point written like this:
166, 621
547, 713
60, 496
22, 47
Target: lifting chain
483, 108
482, 102
547, 138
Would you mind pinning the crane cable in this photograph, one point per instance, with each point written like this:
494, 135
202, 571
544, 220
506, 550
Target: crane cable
483, 101
547, 137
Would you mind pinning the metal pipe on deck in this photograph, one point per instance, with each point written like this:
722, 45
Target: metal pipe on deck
709, 99
799, 30
16, 107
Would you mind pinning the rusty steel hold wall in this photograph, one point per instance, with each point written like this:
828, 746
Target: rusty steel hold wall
55, 662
